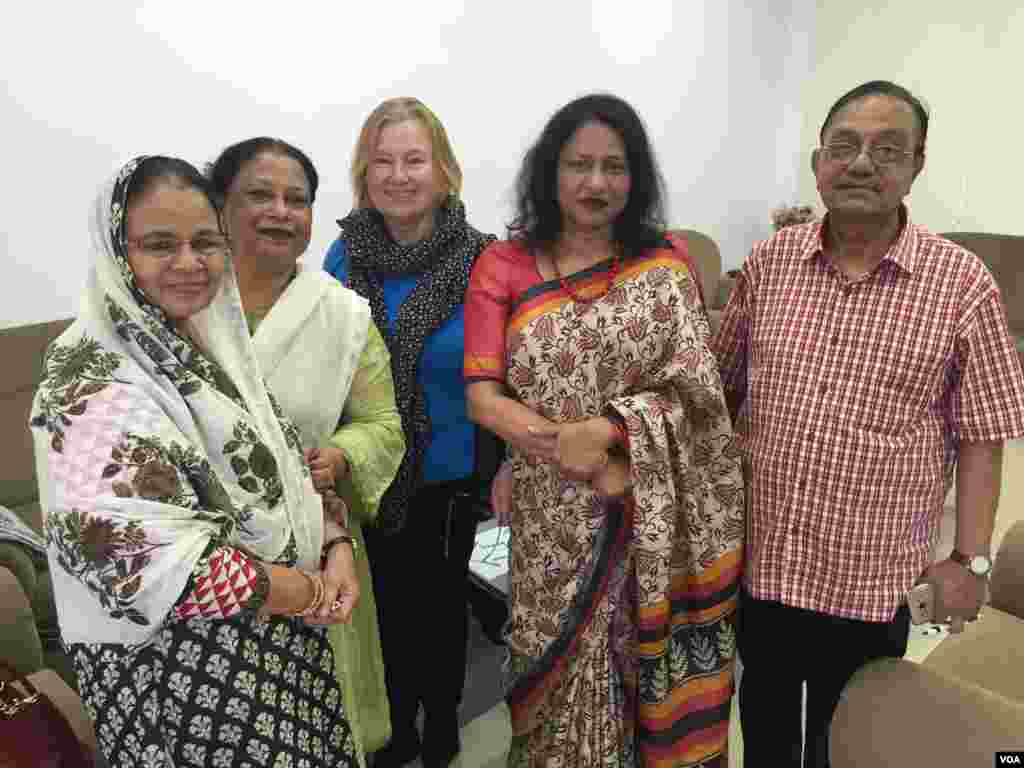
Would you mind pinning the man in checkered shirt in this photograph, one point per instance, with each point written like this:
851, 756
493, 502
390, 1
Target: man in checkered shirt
873, 364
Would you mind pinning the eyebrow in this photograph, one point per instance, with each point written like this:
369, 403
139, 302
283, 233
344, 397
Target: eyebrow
160, 232
406, 153
602, 158
264, 182
890, 133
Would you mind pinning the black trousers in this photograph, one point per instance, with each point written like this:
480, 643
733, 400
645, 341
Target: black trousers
420, 579
780, 648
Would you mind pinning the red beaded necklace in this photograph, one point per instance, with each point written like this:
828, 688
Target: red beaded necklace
568, 291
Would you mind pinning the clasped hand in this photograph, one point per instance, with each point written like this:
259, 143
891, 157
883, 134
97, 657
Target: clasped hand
581, 452
577, 448
326, 465
341, 583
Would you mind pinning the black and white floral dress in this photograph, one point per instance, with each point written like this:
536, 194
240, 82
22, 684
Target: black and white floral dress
236, 692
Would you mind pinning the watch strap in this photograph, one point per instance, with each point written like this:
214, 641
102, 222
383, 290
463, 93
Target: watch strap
965, 560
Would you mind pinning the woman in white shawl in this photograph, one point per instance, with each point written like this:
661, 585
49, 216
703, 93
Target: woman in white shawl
327, 364
193, 566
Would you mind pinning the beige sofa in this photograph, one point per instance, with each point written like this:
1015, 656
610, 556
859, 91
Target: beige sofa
708, 260
29, 637
959, 706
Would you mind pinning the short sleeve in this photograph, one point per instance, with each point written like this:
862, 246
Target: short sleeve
988, 403
488, 302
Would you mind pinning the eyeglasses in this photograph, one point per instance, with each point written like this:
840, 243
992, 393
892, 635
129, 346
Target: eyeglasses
882, 155
207, 246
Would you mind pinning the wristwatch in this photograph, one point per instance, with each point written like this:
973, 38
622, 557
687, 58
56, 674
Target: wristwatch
979, 565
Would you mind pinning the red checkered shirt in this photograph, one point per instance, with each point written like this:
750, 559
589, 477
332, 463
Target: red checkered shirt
856, 394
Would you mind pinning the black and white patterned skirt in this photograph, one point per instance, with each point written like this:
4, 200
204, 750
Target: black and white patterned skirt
241, 692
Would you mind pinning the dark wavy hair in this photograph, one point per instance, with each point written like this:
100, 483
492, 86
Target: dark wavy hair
158, 168
538, 218
225, 168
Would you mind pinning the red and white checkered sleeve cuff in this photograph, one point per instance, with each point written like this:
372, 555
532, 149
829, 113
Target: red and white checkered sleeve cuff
223, 585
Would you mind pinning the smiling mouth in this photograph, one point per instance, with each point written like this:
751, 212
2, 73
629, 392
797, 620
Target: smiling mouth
279, 235
595, 203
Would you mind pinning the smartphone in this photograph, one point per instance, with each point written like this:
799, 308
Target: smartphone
921, 602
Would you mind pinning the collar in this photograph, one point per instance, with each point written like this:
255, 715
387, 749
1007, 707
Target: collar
902, 253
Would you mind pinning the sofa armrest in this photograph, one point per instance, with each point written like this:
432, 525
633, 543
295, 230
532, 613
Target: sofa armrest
896, 712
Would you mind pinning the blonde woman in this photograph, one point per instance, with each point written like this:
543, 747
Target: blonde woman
408, 249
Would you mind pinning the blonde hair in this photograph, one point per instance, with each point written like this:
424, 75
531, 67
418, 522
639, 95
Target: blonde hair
399, 110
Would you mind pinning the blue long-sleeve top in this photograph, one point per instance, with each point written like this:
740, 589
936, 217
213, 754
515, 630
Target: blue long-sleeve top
450, 450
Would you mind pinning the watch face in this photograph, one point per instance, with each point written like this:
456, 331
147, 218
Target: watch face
980, 565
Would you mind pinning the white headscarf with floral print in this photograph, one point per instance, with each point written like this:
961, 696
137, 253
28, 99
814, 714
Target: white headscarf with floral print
192, 422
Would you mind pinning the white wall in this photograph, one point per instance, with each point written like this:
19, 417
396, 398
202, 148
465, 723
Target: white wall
965, 61
88, 85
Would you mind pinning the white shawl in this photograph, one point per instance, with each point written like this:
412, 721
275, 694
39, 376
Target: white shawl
140, 449
308, 347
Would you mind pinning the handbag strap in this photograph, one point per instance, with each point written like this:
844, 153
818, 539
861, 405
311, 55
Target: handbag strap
12, 701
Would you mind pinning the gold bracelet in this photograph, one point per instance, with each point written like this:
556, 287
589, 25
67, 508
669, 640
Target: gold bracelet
318, 594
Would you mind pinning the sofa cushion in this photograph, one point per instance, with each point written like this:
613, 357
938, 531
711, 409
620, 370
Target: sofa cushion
22, 349
706, 259
894, 713
989, 653
17, 463
1008, 573
19, 640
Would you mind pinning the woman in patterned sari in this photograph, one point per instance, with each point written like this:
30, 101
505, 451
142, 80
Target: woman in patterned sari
588, 354
194, 568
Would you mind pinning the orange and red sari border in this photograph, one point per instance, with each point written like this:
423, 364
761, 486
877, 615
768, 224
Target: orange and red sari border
549, 296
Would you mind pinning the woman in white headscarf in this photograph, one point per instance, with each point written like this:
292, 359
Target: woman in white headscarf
194, 568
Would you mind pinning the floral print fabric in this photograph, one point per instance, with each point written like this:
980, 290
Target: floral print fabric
244, 692
620, 631
165, 469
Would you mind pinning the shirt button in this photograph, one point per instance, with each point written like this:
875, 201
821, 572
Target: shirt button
823, 388
835, 339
